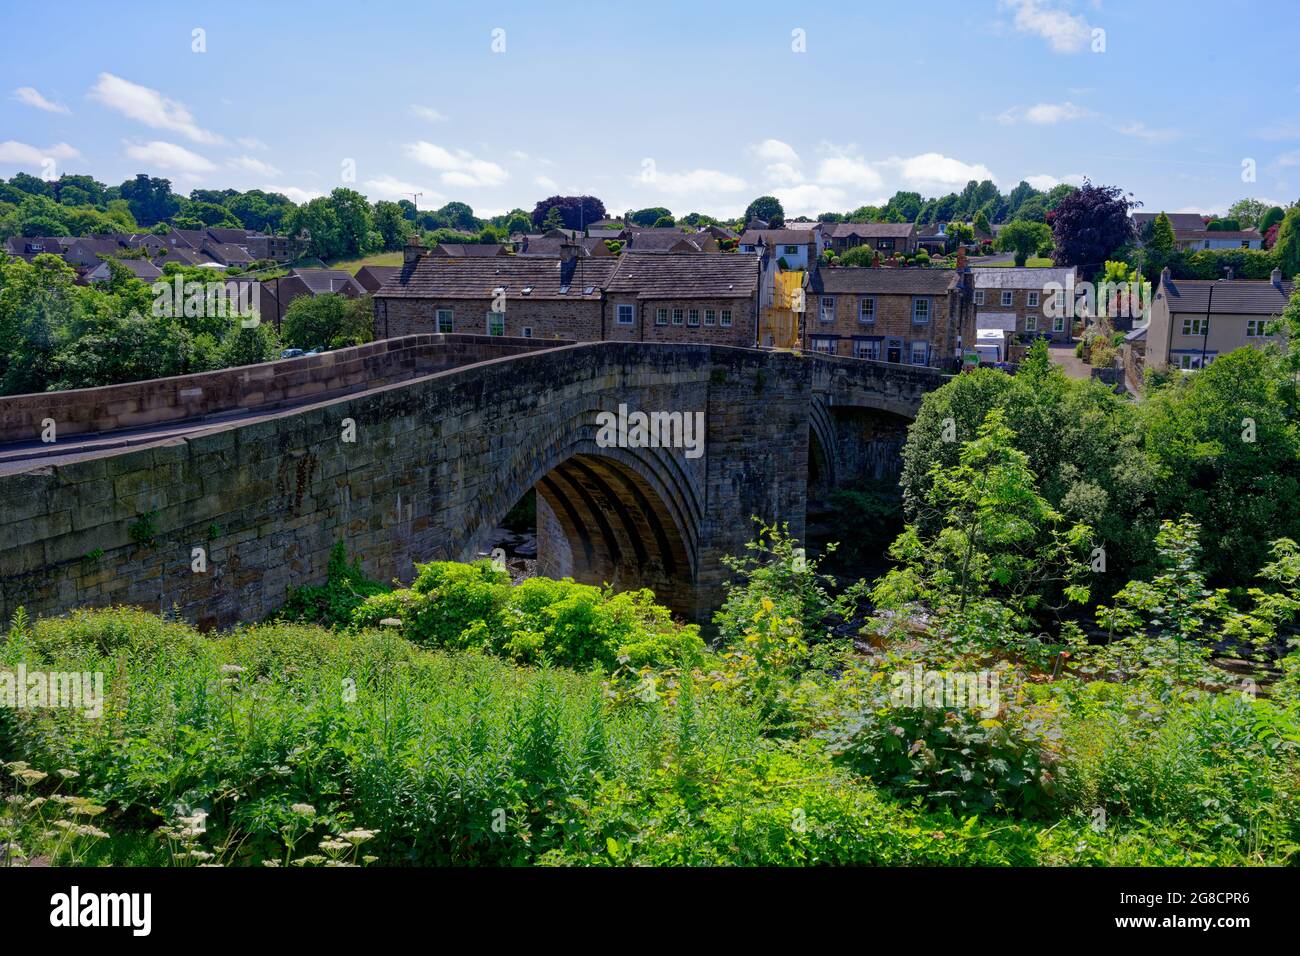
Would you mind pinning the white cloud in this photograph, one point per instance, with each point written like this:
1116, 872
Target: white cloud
1280, 130
1045, 182
845, 170
293, 192
937, 172
460, 168
546, 182
1044, 114
251, 142
32, 97
810, 199
21, 154
688, 181
149, 107
427, 113
390, 187
169, 156
251, 165
783, 173
1064, 32
776, 151
1140, 130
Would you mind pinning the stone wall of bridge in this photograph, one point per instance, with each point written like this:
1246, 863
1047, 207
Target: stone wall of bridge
434, 464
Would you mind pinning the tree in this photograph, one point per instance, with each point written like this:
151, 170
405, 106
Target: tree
554, 219
768, 209
1090, 225
1248, 212
1162, 242
665, 222
151, 199
1272, 216
355, 220
1023, 238
1287, 246
391, 224
981, 224
328, 320
647, 216
576, 212
961, 233
321, 222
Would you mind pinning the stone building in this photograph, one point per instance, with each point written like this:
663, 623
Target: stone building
907, 316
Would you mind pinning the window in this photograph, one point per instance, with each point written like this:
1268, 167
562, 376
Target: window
1059, 296
710, 317
979, 296
496, 323
866, 349
446, 321
661, 317
828, 308
1256, 328
920, 311
1189, 361
1058, 324
693, 318
920, 352
1195, 326
626, 315
790, 250
1032, 300
1031, 323
1007, 299
726, 318
528, 331
822, 344
867, 310
885, 244
677, 316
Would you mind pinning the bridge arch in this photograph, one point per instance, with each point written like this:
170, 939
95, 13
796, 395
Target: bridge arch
629, 517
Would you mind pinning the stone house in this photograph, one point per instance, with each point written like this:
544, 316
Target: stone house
911, 316
1193, 321
1027, 301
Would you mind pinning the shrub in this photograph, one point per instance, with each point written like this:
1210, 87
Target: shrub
331, 604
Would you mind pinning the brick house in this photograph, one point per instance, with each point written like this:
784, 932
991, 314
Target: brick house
906, 316
1193, 321
1020, 301
701, 297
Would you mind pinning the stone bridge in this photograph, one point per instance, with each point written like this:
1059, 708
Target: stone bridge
215, 493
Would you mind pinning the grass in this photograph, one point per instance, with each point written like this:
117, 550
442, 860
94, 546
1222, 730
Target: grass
376, 259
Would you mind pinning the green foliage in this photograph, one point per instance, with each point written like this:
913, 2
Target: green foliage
541, 620
331, 604
328, 320
768, 209
1023, 238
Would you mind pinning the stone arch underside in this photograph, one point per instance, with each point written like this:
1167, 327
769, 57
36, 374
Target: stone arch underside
627, 517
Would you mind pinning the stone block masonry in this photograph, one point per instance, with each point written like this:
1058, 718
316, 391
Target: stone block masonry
427, 466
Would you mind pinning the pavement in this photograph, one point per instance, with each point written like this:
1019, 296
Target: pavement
1062, 354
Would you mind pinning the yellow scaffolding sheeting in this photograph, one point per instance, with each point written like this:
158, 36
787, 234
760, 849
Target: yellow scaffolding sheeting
779, 323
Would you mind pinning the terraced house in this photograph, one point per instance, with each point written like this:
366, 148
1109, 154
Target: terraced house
907, 316
650, 297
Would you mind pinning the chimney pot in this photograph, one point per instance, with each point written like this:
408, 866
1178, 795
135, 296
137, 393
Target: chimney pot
412, 251
1277, 277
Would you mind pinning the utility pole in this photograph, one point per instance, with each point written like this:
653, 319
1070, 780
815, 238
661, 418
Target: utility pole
415, 201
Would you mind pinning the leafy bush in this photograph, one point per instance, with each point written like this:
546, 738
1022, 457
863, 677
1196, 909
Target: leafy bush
539, 621
332, 603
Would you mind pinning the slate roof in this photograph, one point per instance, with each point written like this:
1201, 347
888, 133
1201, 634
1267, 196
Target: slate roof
141, 268
704, 276
328, 280
774, 237
472, 248
663, 240
1226, 296
443, 277
1021, 278
547, 246
1184, 221
869, 281
873, 230
371, 278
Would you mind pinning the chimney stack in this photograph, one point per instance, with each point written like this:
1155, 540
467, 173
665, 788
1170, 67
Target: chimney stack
1277, 277
1165, 276
568, 252
412, 251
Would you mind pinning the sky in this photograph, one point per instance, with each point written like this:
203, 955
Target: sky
696, 106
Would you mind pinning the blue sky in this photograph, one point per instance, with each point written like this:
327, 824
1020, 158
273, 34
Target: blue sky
690, 105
